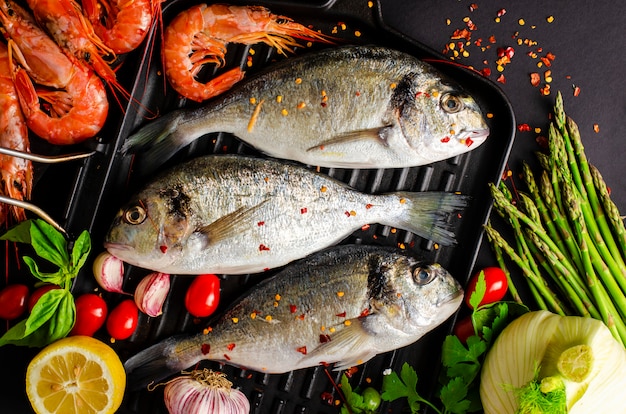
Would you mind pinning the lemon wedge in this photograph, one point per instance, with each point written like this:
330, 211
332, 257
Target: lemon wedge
77, 374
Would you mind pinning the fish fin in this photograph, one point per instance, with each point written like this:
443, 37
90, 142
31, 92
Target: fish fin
428, 213
376, 134
230, 224
153, 364
155, 141
350, 341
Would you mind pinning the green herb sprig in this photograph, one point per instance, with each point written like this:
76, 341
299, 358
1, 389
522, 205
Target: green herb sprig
54, 314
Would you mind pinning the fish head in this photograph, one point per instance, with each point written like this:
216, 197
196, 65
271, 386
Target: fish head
437, 118
144, 233
420, 297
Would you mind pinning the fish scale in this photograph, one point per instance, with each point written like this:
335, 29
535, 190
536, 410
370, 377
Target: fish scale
236, 215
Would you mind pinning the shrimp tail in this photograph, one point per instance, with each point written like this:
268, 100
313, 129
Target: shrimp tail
158, 140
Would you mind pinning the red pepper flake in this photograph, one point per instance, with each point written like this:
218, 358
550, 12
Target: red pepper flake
445, 139
368, 206
263, 247
226, 357
523, 127
205, 349
341, 315
486, 72
302, 350
501, 12
303, 210
324, 338
461, 34
347, 213
596, 128
364, 313
545, 91
230, 347
260, 223
327, 397
301, 316
473, 7
163, 248
468, 142
365, 227
292, 308
501, 79
535, 79
576, 91
350, 372
492, 39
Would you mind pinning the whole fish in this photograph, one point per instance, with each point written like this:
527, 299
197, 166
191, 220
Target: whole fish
236, 214
348, 107
341, 306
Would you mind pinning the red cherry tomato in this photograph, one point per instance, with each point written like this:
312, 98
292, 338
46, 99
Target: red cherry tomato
13, 301
38, 293
203, 295
91, 312
122, 320
464, 328
496, 286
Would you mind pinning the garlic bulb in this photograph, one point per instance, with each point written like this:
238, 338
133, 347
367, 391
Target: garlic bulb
204, 392
151, 292
109, 272
539, 353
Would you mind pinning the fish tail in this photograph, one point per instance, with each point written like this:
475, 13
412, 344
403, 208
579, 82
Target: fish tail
427, 214
159, 140
155, 363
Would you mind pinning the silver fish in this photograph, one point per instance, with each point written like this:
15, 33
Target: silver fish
341, 306
348, 107
235, 214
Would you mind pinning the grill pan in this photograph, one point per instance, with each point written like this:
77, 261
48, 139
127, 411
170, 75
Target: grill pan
85, 194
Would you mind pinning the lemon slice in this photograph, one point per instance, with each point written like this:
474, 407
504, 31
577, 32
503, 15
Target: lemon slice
77, 374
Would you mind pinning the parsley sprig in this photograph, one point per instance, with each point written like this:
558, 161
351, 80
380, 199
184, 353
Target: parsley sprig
54, 314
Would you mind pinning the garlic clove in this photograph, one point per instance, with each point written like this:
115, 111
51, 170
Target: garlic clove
151, 293
109, 272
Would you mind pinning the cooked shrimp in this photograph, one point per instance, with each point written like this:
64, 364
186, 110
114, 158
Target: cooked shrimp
76, 107
16, 174
74, 33
121, 24
199, 35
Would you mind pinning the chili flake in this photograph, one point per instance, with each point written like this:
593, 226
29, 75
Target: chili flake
324, 338
260, 223
298, 81
500, 79
501, 12
535, 79
347, 322
263, 247
340, 294
207, 330
230, 347
226, 357
302, 350
301, 105
323, 189
284, 112
163, 249
364, 313
205, 349
268, 318
357, 33
292, 308
550, 19
521, 22
365, 227
255, 114
341, 315
576, 91
370, 4
235, 320
473, 7
596, 128
523, 127
253, 315
303, 210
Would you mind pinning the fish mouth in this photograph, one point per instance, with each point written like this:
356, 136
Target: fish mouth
456, 296
474, 137
116, 247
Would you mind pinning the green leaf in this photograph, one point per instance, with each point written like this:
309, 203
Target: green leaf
19, 233
393, 387
58, 278
52, 318
453, 396
353, 400
80, 250
454, 352
479, 291
49, 243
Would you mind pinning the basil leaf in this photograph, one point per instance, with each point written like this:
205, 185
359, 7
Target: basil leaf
58, 278
20, 233
80, 250
49, 243
52, 318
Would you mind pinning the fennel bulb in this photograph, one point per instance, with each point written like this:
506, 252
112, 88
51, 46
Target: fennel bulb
546, 363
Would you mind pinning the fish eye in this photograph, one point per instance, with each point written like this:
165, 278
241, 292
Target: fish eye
423, 276
451, 103
135, 215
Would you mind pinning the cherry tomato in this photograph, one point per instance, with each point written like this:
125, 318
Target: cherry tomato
38, 293
496, 282
122, 320
91, 312
464, 328
13, 301
203, 295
